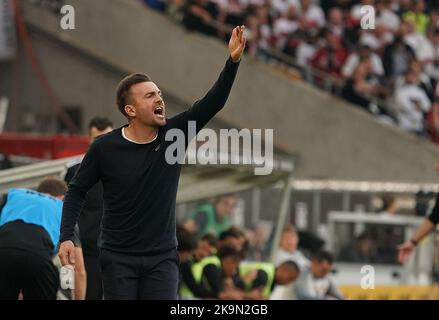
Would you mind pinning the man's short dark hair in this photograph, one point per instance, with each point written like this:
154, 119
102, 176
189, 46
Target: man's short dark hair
52, 186
100, 123
210, 239
290, 265
232, 232
321, 256
229, 252
124, 86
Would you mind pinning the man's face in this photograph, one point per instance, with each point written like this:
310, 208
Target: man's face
230, 266
233, 242
285, 276
147, 105
204, 249
320, 269
225, 206
95, 132
289, 241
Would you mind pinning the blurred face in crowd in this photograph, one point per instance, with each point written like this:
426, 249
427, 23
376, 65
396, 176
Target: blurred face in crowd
320, 269
289, 241
146, 104
225, 206
230, 266
336, 17
419, 6
95, 132
365, 52
233, 242
203, 249
286, 275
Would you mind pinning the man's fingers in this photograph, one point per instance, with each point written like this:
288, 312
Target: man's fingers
72, 256
63, 258
235, 32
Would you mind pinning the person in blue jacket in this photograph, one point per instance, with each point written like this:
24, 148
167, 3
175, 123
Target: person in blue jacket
29, 235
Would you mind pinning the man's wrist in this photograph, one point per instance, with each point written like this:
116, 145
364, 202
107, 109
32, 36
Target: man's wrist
237, 61
414, 242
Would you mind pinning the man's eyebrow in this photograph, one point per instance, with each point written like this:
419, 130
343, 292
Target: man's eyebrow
150, 92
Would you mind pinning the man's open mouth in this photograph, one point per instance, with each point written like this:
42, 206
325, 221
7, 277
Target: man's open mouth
159, 110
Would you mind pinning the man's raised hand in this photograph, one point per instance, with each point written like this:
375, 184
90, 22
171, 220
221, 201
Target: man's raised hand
237, 43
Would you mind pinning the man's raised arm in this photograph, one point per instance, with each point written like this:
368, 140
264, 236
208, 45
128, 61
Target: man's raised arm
203, 110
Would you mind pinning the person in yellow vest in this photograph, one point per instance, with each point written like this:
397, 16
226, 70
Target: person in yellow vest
258, 279
212, 217
185, 249
189, 288
212, 277
417, 16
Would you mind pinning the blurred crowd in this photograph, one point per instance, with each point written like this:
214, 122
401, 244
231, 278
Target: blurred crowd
221, 261
391, 71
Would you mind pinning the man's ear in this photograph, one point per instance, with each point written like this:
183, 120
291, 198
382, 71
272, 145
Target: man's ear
130, 110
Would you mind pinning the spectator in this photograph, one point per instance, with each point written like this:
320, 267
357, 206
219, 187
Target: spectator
411, 102
389, 205
201, 15
363, 250
281, 7
362, 86
397, 56
331, 57
313, 14
386, 16
307, 49
286, 24
314, 283
288, 249
213, 218
417, 16
336, 23
363, 53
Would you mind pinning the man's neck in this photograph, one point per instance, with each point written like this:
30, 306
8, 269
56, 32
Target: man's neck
140, 133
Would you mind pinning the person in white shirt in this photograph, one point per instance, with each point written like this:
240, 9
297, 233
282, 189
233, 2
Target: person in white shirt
313, 14
354, 58
288, 249
314, 283
411, 102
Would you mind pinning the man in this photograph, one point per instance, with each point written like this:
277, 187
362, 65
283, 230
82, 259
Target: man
29, 232
427, 227
90, 217
212, 277
314, 283
212, 218
259, 279
138, 249
288, 249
